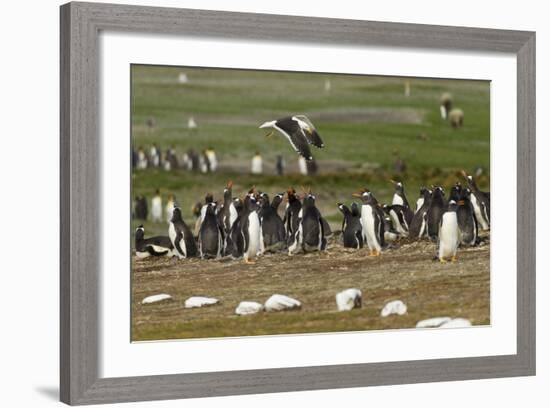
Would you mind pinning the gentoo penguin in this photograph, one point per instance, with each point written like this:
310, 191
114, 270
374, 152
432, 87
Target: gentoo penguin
351, 227
140, 208
251, 229
273, 229
420, 200
210, 234
467, 223
456, 118
449, 235
154, 246
256, 166
445, 105
399, 197
156, 207
169, 208
481, 202
229, 212
310, 234
372, 220
181, 236
401, 217
209, 198
299, 131
292, 214
419, 224
435, 211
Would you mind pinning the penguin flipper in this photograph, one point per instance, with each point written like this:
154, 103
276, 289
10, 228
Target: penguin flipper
177, 241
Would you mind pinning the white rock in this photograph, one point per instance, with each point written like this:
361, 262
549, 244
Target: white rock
394, 307
432, 322
281, 302
248, 308
199, 301
348, 299
156, 298
456, 324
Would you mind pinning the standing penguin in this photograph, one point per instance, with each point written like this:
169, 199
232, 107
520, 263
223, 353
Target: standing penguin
292, 214
251, 229
229, 212
449, 235
154, 246
435, 211
210, 234
181, 236
209, 198
372, 220
351, 227
421, 197
467, 223
273, 229
399, 197
419, 224
156, 207
481, 202
310, 234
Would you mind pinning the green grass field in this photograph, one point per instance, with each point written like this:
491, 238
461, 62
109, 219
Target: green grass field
365, 122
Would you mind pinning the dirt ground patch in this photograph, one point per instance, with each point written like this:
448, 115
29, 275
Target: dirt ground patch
404, 272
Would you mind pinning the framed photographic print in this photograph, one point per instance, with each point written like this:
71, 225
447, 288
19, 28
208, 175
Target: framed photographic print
261, 203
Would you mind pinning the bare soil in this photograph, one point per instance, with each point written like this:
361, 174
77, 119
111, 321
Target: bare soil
406, 271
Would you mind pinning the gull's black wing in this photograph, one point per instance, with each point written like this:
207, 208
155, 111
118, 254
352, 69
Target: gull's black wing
310, 132
292, 131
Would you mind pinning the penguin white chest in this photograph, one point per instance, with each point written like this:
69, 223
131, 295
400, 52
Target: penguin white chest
397, 200
448, 235
369, 227
232, 214
172, 234
478, 213
419, 203
254, 233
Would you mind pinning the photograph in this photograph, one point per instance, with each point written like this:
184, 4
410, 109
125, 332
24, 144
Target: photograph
289, 203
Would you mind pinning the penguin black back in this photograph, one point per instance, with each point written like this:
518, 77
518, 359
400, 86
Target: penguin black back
273, 229
181, 236
210, 234
418, 227
435, 212
351, 226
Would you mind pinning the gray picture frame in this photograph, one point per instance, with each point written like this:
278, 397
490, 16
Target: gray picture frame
81, 24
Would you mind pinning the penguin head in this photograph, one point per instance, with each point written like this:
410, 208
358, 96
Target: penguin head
211, 208
176, 214
209, 198
309, 200
227, 189
264, 200
452, 206
343, 209
140, 232
277, 200
456, 192
398, 186
365, 195
438, 191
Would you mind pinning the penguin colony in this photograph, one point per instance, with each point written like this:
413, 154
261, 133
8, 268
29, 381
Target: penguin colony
247, 227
